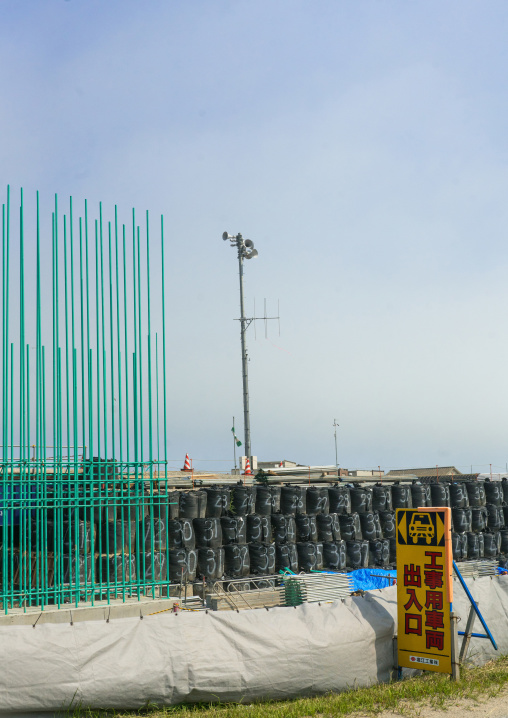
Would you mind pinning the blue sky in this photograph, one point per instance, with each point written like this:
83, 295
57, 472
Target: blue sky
361, 145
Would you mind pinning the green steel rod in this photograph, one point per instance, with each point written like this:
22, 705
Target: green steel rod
6, 489
150, 408
111, 345
126, 348
90, 397
73, 341
7, 294
157, 398
57, 327
66, 315
103, 344
134, 324
140, 350
4, 359
82, 342
21, 332
118, 342
164, 351
97, 276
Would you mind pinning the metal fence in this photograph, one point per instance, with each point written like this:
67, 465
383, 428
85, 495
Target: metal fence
83, 460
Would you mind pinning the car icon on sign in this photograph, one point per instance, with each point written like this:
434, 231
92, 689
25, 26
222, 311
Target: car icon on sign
421, 527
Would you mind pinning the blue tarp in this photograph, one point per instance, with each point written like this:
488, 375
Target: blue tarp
367, 579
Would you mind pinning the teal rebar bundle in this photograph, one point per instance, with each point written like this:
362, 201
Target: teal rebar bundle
84, 410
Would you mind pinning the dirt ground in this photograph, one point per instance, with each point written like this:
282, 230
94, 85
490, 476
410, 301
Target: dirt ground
496, 707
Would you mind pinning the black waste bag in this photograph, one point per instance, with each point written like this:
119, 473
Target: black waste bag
459, 498
236, 560
192, 563
350, 527
386, 551
77, 570
286, 557
293, 499
176, 565
361, 500
387, 521
497, 534
117, 568
365, 553
118, 537
495, 517
401, 496
234, 529
319, 556
210, 563
377, 524
154, 566
482, 545
180, 534
154, 534
279, 528
504, 541
317, 500
290, 529
218, 499
78, 536
504, 486
462, 520
275, 491
262, 559
334, 555
335, 527
473, 546
259, 529
503, 562
208, 533
479, 518
440, 494
173, 504
306, 528
505, 515
326, 527
264, 500
339, 500
463, 539
243, 500
369, 532
308, 556
476, 493
377, 555
381, 497
456, 547
489, 545
493, 492
193, 504
393, 550
420, 495
165, 506
357, 554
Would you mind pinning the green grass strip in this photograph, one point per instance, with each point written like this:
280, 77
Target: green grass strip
432, 689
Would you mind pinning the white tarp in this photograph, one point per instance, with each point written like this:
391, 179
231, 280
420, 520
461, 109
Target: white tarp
227, 656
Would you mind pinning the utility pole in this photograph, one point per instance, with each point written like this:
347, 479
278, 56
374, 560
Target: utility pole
246, 250
335, 434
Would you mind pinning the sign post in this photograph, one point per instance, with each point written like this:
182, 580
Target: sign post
424, 590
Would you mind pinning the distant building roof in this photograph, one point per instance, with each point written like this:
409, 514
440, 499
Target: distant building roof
433, 471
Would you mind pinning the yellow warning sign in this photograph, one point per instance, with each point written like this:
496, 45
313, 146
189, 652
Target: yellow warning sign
424, 585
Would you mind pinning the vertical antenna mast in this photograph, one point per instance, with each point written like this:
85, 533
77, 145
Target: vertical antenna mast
245, 251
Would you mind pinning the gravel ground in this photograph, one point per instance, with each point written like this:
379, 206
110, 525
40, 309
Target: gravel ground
496, 707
